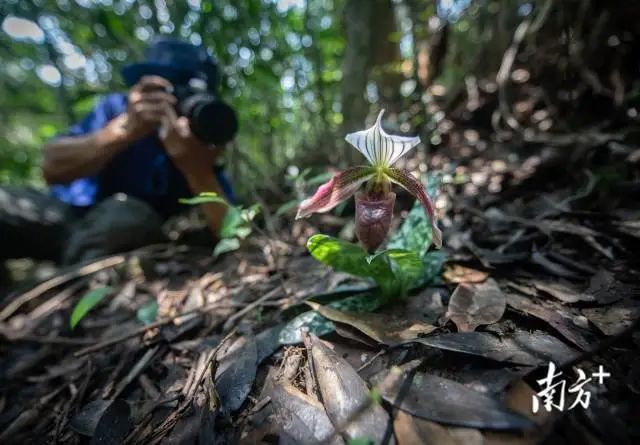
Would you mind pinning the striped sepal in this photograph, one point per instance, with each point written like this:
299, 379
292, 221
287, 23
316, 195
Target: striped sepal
381, 149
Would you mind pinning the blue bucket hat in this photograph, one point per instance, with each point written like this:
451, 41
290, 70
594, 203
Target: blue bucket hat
175, 60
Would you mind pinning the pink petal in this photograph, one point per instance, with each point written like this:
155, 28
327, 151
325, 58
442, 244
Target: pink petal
340, 188
405, 179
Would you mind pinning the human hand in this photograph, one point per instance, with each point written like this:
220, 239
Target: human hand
147, 102
188, 153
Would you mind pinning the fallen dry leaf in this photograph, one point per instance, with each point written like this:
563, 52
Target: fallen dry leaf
384, 329
552, 267
472, 305
236, 372
466, 436
344, 394
446, 401
455, 273
558, 318
522, 347
416, 431
605, 288
561, 290
519, 399
301, 417
612, 320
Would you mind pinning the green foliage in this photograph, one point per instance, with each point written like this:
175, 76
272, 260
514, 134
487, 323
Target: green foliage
406, 264
375, 396
226, 245
415, 235
236, 225
204, 198
237, 221
86, 303
287, 207
301, 183
361, 441
147, 314
393, 270
279, 65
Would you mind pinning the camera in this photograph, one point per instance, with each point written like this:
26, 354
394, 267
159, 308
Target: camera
211, 120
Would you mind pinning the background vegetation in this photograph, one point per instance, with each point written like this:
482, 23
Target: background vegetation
302, 72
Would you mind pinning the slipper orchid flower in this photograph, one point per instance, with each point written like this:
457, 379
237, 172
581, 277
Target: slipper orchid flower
374, 207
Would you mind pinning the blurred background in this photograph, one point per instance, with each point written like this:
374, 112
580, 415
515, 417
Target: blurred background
302, 73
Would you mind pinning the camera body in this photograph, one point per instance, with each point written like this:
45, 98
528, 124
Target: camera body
211, 120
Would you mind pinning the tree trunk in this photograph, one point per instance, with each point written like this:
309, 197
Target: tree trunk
357, 17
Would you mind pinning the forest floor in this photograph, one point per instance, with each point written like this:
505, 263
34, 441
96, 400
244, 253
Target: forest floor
541, 266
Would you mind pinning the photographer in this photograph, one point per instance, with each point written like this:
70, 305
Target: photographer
116, 176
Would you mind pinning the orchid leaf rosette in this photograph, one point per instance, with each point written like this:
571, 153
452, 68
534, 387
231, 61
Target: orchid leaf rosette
374, 205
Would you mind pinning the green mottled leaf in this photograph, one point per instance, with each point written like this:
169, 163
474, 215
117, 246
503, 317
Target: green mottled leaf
432, 266
350, 258
310, 321
147, 314
394, 270
407, 267
414, 234
86, 303
415, 231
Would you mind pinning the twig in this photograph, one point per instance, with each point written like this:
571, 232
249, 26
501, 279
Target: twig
170, 421
54, 340
212, 356
148, 387
505, 70
275, 257
260, 404
525, 28
28, 416
50, 305
82, 271
563, 206
370, 361
135, 371
143, 329
56, 281
250, 307
123, 361
63, 417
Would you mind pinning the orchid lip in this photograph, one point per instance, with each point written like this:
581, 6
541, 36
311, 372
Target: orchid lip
373, 219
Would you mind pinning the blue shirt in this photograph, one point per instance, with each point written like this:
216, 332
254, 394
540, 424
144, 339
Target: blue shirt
144, 170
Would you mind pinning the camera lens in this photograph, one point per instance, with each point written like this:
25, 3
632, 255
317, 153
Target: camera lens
213, 121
